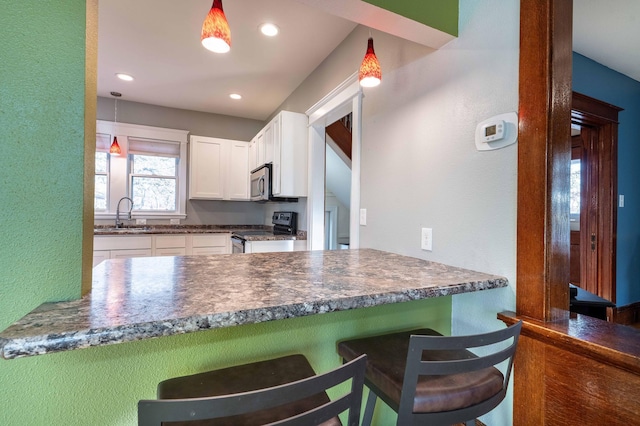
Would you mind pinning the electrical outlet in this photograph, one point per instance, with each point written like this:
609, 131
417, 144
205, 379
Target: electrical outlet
363, 216
427, 239
174, 221
621, 201
141, 221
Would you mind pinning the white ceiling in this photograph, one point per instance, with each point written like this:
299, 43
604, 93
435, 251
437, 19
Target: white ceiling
608, 31
158, 42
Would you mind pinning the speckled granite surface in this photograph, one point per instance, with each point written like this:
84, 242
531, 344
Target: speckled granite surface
148, 297
109, 230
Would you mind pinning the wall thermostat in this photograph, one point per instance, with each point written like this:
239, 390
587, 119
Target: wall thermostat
497, 132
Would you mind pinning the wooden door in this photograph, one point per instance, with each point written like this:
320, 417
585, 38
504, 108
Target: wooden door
596, 147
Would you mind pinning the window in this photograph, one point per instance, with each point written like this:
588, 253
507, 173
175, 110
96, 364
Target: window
152, 173
101, 200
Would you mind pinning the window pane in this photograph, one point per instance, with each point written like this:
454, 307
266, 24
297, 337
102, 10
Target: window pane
100, 198
101, 162
153, 194
575, 187
152, 165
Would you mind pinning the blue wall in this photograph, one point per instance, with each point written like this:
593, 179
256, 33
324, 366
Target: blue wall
593, 79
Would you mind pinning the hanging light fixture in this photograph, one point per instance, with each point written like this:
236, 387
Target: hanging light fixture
216, 35
370, 73
115, 147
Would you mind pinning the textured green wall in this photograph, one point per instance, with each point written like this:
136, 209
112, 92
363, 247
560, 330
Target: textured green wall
439, 14
42, 84
42, 141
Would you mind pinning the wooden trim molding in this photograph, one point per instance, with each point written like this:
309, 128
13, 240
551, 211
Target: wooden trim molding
628, 314
569, 369
544, 154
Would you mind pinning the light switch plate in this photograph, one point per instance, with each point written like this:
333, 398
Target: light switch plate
141, 221
174, 221
427, 239
363, 216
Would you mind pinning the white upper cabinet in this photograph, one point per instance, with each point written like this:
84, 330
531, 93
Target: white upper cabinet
289, 130
218, 169
238, 173
283, 143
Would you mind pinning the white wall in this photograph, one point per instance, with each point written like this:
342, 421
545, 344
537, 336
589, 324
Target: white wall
420, 167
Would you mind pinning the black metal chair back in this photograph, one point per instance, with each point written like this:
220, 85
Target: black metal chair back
154, 412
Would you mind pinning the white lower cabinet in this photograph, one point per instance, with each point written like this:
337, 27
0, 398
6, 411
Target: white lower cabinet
210, 244
126, 246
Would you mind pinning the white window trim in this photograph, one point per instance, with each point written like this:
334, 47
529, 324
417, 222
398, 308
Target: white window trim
119, 167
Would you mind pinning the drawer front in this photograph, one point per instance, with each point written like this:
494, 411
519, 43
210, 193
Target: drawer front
209, 250
170, 241
174, 251
211, 240
124, 254
122, 242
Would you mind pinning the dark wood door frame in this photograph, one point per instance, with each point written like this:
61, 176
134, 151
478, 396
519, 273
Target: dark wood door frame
544, 154
599, 121
569, 369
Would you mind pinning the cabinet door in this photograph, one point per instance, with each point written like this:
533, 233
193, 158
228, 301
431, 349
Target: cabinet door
277, 150
268, 143
206, 168
253, 154
238, 176
211, 243
293, 154
261, 148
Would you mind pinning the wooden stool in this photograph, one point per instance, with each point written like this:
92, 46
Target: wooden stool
258, 393
429, 378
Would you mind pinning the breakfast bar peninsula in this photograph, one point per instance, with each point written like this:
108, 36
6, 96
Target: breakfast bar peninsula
141, 298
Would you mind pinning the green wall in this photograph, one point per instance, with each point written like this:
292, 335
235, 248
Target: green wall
439, 14
42, 141
101, 386
42, 83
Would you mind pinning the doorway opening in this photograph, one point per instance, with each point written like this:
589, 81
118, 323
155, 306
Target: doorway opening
344, 100
594, 150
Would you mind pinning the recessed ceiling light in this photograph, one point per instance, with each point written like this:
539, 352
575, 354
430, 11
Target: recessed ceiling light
235, 96
269, 29
125, 77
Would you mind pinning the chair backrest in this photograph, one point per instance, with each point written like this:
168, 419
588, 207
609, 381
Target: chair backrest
458, 360
154, 412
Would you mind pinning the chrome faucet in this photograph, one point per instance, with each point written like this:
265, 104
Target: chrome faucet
118, 223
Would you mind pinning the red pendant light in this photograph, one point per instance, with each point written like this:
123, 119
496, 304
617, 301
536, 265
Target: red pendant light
216, 35
115, 146
370, 73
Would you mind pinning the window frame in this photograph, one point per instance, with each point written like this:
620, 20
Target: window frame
119, 167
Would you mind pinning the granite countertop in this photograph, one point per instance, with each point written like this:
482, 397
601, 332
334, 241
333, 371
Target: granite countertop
109, 230
141, 298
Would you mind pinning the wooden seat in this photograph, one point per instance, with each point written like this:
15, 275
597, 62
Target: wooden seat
429, 378
280, 391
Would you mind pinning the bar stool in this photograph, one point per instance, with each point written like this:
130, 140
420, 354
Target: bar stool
283, 391
429, 378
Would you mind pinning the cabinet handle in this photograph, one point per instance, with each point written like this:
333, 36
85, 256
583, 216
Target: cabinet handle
593, 242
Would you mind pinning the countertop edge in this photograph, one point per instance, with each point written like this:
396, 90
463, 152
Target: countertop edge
79, 339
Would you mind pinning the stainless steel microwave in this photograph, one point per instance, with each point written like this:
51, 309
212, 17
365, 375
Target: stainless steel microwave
261, 189
261, 183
